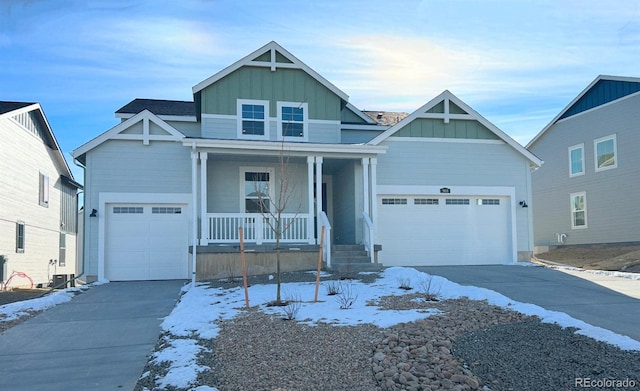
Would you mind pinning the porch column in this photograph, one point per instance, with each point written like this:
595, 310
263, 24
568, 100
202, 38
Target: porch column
365, 184
318, 196
374, 194
204, 221
310, 236
194, 212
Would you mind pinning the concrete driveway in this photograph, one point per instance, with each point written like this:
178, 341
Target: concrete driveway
99, 340
554, 290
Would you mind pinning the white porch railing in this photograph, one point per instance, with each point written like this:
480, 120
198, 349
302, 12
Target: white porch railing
367, 235
223, 228
326, 247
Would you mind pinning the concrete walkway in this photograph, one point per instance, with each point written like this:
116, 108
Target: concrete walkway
99, 340
579, 297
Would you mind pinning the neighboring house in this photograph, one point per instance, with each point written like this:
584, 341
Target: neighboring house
38, 198
439, 186
588, 188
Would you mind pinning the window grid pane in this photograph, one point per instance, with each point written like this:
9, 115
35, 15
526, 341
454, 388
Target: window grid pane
457, 201
606, 156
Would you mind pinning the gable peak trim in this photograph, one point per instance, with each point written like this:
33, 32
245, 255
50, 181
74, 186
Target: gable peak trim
273, 48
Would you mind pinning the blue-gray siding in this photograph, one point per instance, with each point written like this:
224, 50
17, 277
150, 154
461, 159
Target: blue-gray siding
611, 195
604, 91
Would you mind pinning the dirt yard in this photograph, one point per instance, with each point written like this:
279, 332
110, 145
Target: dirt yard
619, 258
14, 295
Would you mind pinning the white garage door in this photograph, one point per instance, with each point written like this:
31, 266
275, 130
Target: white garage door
444, 230
146, 242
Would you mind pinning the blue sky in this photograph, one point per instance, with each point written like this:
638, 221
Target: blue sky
517, 63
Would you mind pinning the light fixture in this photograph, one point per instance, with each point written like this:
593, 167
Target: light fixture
522, 204
94, 213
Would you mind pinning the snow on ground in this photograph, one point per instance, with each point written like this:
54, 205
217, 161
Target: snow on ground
15, 310
201, 307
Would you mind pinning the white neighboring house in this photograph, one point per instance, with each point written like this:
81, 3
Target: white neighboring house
441, 186
38, 198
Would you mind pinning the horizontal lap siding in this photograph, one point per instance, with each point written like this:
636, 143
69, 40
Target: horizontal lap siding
24, 157
130, 167
612, 195
223, 191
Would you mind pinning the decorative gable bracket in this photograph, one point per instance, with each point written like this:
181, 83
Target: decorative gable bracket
144, 126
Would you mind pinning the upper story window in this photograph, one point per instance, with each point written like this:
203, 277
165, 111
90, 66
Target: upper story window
253, 119
44, 190
576, 160
579, 210
606, 153
292, 120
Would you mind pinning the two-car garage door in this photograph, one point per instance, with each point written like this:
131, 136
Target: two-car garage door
444, 230
146, 242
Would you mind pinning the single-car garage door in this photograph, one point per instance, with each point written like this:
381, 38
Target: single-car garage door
444, 230
146, 242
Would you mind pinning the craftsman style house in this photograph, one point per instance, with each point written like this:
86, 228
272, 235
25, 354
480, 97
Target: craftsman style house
169, 186
588, 188
38, 212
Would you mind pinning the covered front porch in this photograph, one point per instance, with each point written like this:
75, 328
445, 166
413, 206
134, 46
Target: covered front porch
291, 189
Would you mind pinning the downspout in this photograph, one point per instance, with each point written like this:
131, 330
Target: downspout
194, 212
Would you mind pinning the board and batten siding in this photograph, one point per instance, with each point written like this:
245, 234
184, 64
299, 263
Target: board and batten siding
24, 157
438, 162
611, 195
284, 85
119, 166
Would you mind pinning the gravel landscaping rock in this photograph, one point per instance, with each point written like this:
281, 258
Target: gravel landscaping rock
467, 345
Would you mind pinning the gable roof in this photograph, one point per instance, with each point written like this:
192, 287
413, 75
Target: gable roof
159, 107
604, 89
6, 107
278, 57
448, 99
118, 133
11, 109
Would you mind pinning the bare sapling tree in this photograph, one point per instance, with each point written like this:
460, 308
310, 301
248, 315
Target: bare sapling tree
273, 210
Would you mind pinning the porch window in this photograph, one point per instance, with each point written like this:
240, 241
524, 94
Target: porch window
606, 153
253, 118
292, 120
257, 190
579, 210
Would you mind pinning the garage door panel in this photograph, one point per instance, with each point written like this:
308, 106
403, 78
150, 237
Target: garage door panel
146, 241
465, 231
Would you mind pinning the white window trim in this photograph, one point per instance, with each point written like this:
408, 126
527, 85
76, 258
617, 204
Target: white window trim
305, 121
44, 191
571, 196
241, 135
243, 171
615, 152
571, 149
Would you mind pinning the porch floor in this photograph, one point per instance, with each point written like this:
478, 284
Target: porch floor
252, 247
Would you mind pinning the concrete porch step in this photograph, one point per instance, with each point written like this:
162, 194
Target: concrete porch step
348, 268
363, 258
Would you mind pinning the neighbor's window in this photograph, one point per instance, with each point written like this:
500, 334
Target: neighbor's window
62, 256
44, 190
605, 153
20, 237
576, 160
253, 116
292, 120
257, 187
579, 210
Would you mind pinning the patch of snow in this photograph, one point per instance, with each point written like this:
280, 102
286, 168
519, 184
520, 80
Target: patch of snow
200, 308
15, 310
